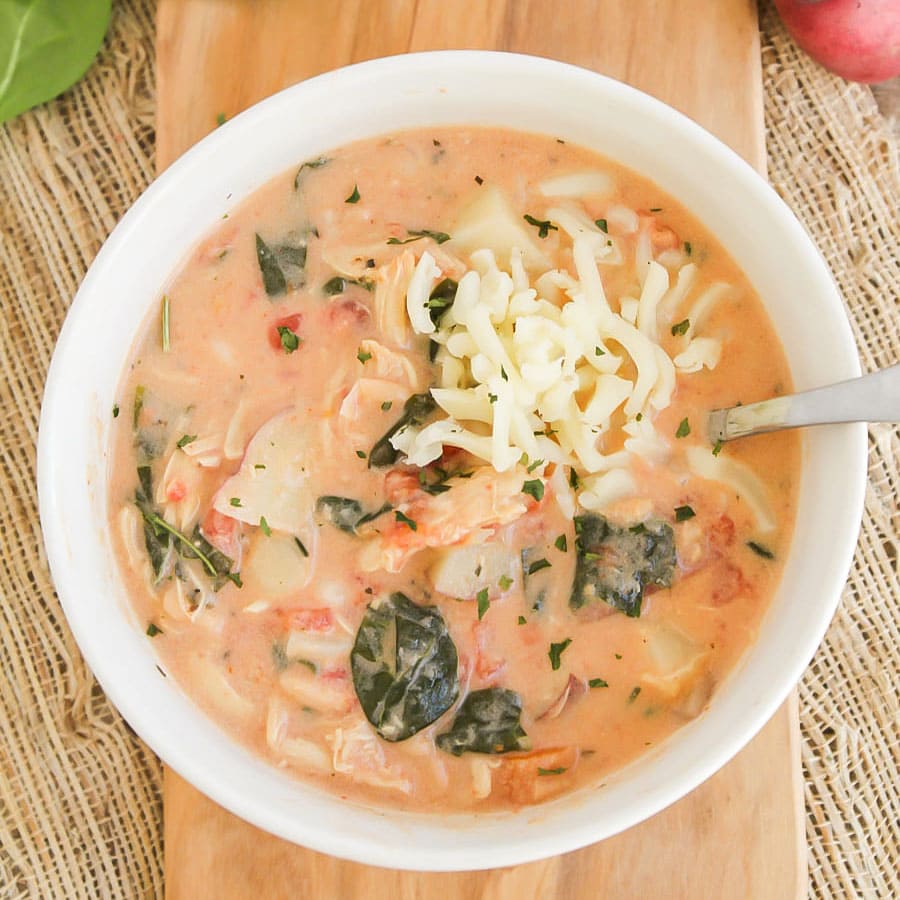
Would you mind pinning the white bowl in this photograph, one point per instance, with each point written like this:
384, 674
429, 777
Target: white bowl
189, 199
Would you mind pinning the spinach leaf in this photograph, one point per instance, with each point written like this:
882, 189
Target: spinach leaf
347, 514
441, 299
156, 540
337, 285
487, 721
342, 512
416, 409
404, 666
161, 538
439, 237
46, 47
309, 164
281, 266
616, 564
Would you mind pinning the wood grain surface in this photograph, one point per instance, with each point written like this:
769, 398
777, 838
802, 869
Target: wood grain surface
741, 833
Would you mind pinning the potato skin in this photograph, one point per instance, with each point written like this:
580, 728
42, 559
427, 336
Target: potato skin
856, 39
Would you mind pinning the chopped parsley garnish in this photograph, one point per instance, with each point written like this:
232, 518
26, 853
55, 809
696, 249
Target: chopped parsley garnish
165, 323
186, 439
361, 454
601, 224
717, 449
535, 488
684, 428
439, 237
483, 602
406, 520
300, 546
221, 118
289, 341
687, 248
599, 351
556, 652
617, 655
479, 179
683, 513
544, 226
635, 692
681, 327
387, 405
655, 209
492, 398
363, 356
115, 410
523, 620
558, 771
534, 465
639, 417
574, 481
153, 630
597, 683
561, 543
539, 564
264, 526
505, 582
761, 550
235, 501
503, 374
354, 197
259, 466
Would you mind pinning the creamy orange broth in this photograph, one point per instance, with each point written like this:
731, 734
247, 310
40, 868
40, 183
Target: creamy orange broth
227, 373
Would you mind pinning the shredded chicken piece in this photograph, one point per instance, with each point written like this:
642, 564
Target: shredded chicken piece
470, 512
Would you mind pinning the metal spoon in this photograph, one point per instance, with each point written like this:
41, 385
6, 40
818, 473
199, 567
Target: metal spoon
871, 398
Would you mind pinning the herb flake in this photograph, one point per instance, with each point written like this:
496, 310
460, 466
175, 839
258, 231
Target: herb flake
556, 651
544, 226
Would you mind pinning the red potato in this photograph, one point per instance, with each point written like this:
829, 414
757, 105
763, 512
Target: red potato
856, 39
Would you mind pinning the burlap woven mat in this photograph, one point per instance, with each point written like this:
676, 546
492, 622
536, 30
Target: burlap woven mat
80, 809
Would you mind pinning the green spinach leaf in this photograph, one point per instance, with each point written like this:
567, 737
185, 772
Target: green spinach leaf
281, 265
342, 512
45, 47
404, 665
161, 539
441, 299
487, 721
416, 409
309, 164
616, 564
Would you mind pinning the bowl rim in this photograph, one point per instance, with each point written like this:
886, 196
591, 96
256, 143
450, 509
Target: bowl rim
232, 796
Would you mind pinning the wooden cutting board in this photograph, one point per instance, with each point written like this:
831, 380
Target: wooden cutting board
741, 833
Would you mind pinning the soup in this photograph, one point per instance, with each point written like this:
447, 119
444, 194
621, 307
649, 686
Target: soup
411, 487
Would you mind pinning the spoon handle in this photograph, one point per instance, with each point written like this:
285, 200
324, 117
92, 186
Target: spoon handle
870, 398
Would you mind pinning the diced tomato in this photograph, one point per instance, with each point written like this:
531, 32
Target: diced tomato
346, 313
730, 583
661, 236
721, 533
292, 322
486, 667
223, 532
338, 673
175, 490
311, 619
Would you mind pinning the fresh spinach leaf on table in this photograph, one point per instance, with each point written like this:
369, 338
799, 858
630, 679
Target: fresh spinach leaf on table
404, 666
46, 46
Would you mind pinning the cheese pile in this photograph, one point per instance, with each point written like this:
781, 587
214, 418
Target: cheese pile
537, 369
